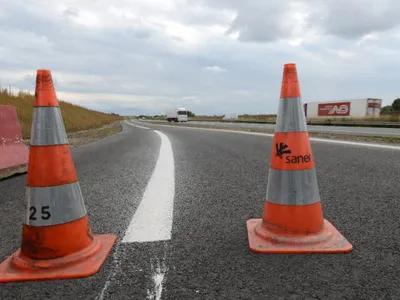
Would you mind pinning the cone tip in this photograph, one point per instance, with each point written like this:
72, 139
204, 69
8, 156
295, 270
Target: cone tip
290, 66
43, 72
45, 93
290, 83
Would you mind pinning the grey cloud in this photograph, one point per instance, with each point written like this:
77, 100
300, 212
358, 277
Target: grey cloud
266, 21
139, 61
71, 12
354, 19
256, 21
259, 23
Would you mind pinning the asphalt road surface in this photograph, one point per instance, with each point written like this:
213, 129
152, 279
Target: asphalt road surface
178, 200
350, 130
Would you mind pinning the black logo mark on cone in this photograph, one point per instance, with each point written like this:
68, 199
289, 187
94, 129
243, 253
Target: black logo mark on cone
280, 150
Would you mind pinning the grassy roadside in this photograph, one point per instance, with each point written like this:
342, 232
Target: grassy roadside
76, 118
345, 137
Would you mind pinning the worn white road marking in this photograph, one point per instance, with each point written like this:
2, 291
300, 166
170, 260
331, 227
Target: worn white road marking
159, 269
332, 141
114, 269
355, 143
152, 220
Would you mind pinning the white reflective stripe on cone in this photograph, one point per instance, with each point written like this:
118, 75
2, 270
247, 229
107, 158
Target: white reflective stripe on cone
292, 187
290, 116
53, 205
48, 127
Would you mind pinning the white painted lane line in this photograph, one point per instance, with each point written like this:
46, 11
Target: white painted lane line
138, 126
332, 141
141, 127
152, 220
355, 143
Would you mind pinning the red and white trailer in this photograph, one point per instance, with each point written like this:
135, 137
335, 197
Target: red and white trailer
353, 108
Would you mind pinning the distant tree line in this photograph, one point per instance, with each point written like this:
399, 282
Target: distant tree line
190, 115
390, 109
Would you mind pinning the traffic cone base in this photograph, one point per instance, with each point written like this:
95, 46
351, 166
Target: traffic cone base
265, 240
86, 262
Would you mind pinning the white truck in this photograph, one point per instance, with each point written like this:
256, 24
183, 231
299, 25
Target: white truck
177, 114
231, 116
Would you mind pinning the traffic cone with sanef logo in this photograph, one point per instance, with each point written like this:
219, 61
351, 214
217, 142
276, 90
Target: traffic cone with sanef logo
292, 220
57, 241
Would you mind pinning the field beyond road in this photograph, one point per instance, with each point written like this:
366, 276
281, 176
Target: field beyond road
76, 118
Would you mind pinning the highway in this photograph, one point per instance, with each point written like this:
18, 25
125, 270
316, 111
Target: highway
178, 199
348, 130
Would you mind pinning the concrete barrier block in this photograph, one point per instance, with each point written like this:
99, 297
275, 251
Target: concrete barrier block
14, 154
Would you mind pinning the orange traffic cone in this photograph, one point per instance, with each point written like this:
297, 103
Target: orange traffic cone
57, 241
293, 221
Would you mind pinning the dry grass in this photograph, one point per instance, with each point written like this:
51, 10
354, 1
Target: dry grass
384, 118
206, 118
76, 118
258, 117
272, 118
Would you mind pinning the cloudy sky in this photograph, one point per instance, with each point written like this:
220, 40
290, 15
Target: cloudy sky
210, 56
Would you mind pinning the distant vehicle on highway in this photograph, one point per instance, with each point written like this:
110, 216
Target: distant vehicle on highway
177, 114
231, 116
